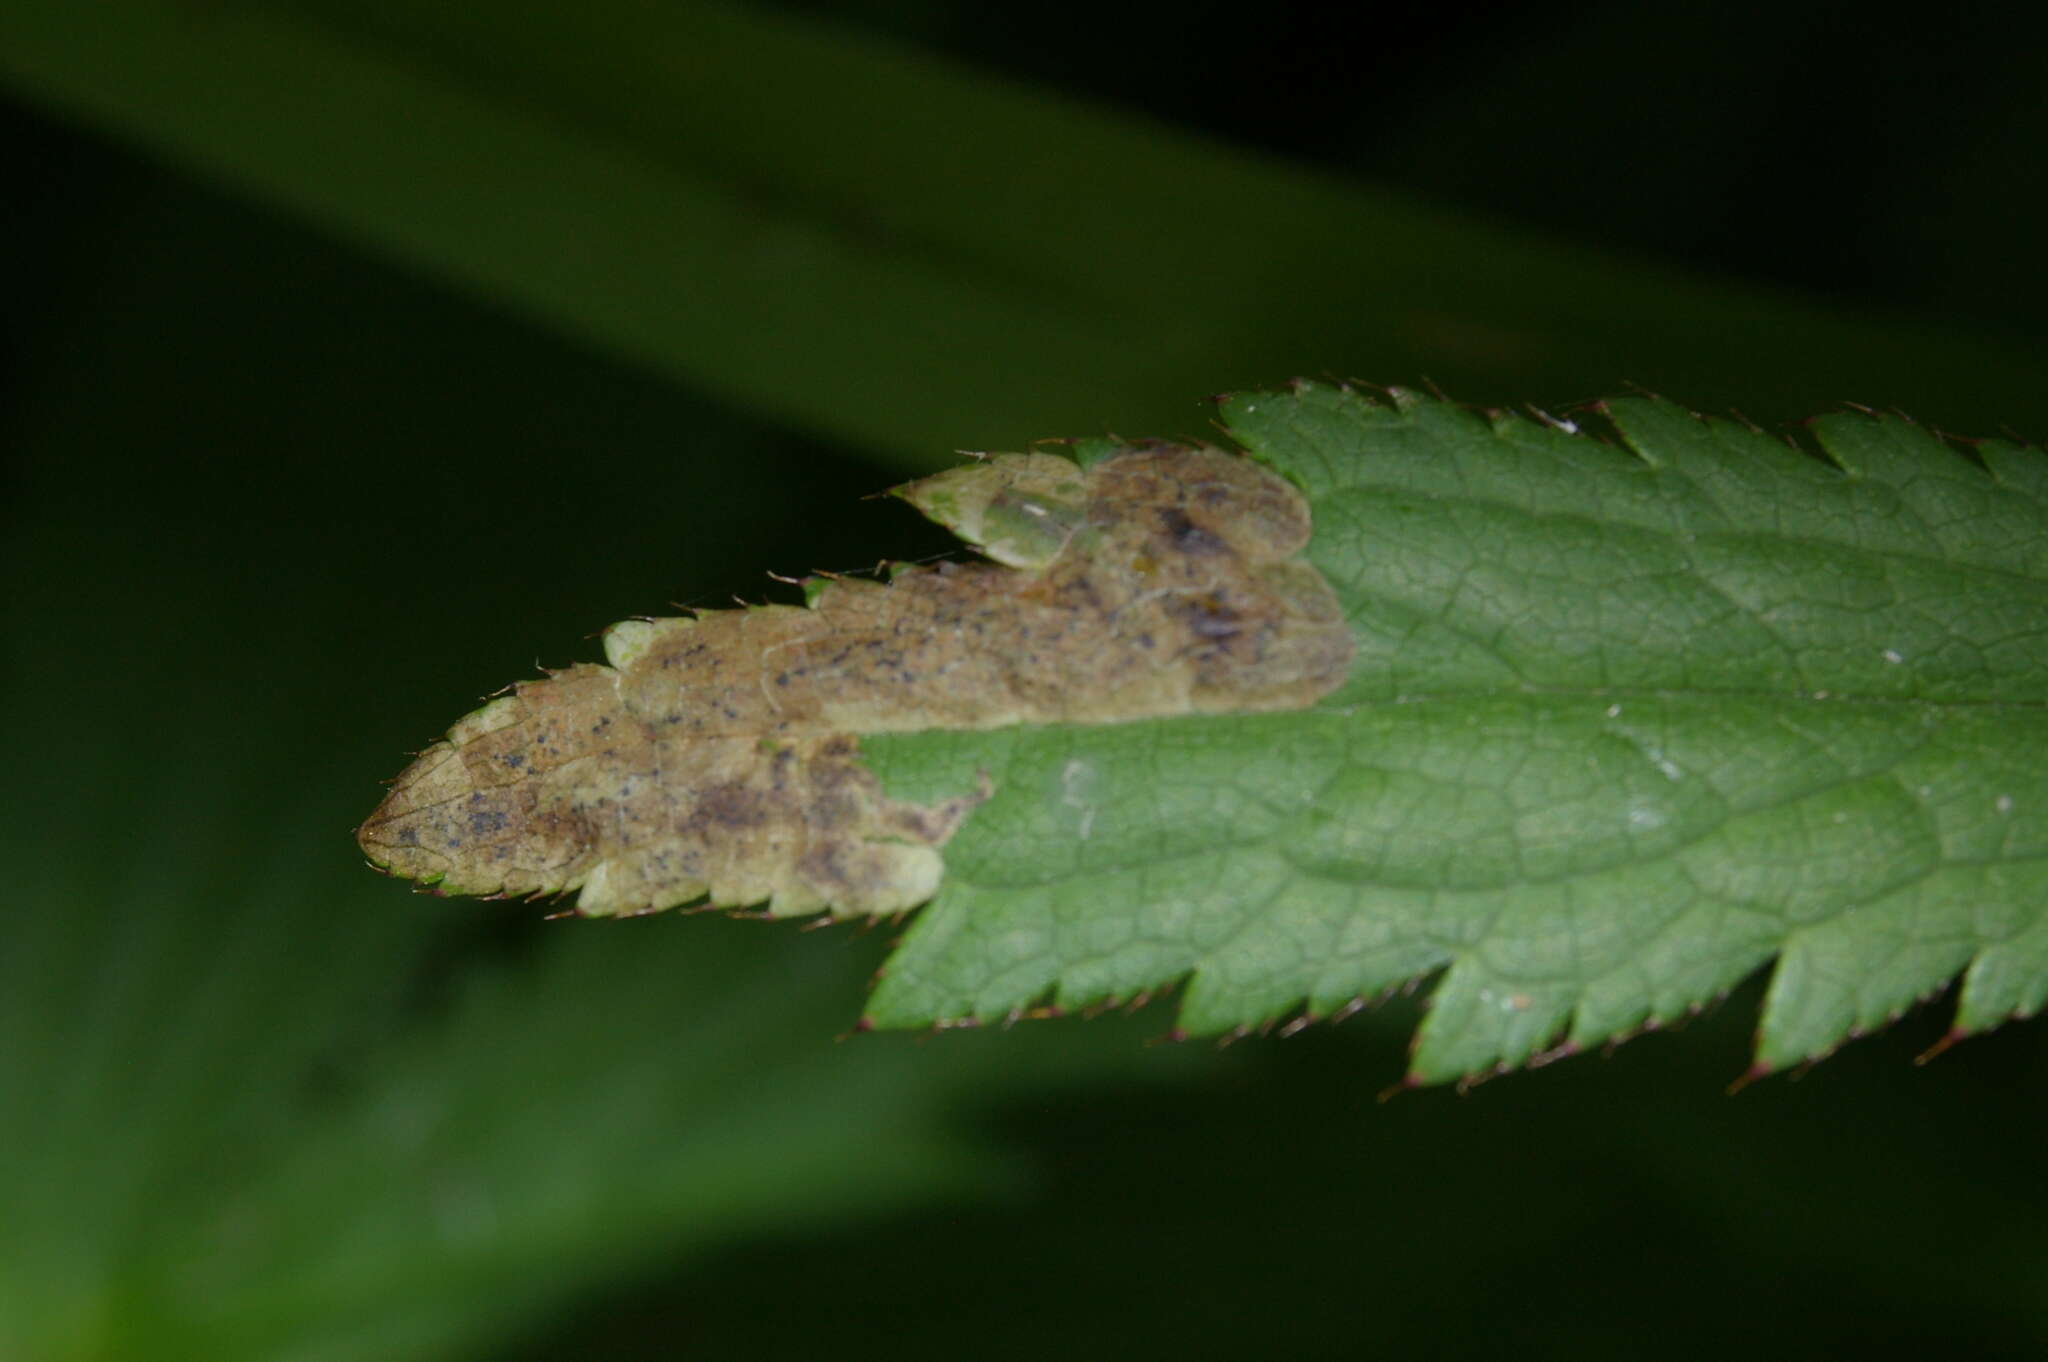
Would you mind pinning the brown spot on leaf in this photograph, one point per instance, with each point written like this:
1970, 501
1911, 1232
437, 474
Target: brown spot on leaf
718, 756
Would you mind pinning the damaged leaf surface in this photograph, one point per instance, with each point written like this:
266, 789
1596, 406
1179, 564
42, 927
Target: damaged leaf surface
718, 756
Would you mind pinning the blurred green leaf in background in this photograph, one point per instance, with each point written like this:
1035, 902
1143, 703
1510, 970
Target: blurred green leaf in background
355, 351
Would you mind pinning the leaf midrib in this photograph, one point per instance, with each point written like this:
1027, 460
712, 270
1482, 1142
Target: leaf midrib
1266, 840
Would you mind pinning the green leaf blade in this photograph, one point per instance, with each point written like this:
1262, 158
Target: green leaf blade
1626, 724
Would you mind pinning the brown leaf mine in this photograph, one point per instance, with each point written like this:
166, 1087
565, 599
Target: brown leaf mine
717, 757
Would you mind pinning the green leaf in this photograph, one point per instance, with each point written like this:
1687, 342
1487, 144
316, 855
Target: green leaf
1630, 717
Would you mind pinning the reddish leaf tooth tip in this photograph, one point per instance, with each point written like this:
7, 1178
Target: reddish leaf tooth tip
865, 1024
1472, 1080
1231, 1037
1411, 1080
1758, 1069
1942, 1046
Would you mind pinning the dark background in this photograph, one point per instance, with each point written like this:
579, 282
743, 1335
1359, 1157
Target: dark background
284, 489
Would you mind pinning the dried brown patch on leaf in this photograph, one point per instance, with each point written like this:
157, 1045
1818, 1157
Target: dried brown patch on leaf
718, 756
